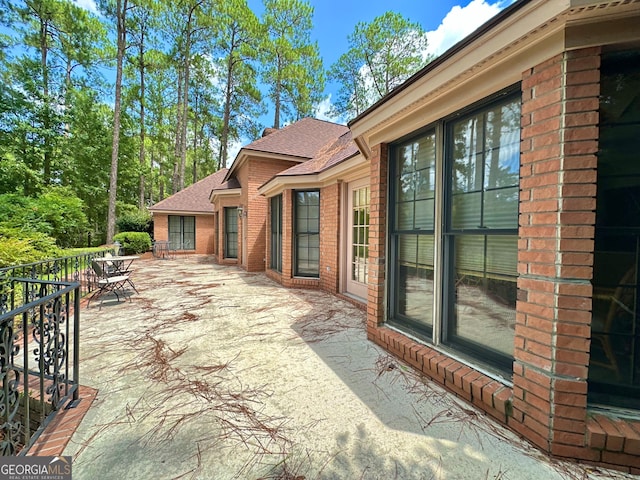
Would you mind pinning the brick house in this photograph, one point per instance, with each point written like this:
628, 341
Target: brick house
505, 224
487, 215
318, 224
186, 219
240, 211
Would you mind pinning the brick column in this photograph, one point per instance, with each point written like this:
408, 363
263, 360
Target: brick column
377, 237
287, 237
330, 237
555, 259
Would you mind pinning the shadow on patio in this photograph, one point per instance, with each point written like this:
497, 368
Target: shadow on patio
212, 372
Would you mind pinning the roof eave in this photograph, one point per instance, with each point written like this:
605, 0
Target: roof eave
181, 212
224, 193
336, 172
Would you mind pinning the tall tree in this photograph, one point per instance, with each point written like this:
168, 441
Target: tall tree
120, 14
240, 35
354, 95
190, 24
40, 18
382, 54
161, 94
58, 44
292, 68
141, 29
204, 106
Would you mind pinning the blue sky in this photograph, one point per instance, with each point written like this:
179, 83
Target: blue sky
446, 21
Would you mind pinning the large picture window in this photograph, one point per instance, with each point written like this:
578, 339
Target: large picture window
614, 369
182, 232
276, 233
412, 238
230, 232
469, 164
481, 231
307, 233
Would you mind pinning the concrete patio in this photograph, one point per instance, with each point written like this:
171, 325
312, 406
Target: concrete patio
214, 373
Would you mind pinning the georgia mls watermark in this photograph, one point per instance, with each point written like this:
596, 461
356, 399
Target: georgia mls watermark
35, 468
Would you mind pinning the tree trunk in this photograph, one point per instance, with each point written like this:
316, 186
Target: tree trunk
46, 120
174, 179
121, 10
195, 139
226, 117
142, 125
277, 94
185, 105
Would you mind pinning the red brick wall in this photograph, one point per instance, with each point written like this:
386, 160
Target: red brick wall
330, 219
160, 226
205, 230
259, 171
243, 178
557, 217
377, 238
548, 401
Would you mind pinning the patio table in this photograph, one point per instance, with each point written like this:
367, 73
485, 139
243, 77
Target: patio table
161, 249
121, 265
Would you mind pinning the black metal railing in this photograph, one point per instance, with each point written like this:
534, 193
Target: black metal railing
39, 346
39, 337
75, 268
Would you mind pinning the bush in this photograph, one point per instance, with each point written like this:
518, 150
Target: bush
18, 247
63, 211
134, 242
57, 213
14, 251
139, 221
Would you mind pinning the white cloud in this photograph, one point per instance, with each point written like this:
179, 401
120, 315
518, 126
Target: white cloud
87, 5
460, 22
323, 111
233, 149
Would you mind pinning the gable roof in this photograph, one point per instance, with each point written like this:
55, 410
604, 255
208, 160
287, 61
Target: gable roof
303, 138
194, 198
338, 156
333, 152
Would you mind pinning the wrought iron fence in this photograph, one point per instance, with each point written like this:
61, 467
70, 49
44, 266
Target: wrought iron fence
39, 346
76, 268
39, 327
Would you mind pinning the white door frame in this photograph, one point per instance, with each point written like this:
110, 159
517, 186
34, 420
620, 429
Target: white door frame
351, 286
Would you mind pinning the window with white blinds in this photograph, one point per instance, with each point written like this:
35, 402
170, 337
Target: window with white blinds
469, 164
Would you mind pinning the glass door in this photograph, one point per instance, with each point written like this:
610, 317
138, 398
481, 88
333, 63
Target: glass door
358, 239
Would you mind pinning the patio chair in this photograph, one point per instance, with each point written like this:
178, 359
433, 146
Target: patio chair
107, 283
109, 268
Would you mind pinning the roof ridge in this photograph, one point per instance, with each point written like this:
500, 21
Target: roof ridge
283, 130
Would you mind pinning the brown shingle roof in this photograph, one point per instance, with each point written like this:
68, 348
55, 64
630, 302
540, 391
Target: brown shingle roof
334, 152
194, 198
231, 184
303, 138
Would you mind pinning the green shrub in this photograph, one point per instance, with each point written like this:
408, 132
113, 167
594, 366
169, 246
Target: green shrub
14, 251
139, 221
134, 242
57, 213
63, 211
18, 247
